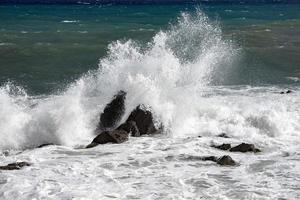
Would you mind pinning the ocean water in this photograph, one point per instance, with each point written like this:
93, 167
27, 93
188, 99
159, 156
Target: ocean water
202, 70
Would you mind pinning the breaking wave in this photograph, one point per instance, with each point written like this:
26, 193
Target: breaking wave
179, 75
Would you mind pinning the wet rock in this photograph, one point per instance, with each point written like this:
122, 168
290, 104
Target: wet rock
91, 145
244, 147
113, 112
209, 158
185, 157
116, 136
131, 128
14, 166
223, 160
226, 160
223, 135
286, 92
6, 153
222, 146
143, 119
44, 145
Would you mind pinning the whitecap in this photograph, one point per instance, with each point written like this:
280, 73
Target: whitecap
296, 79
70, 21
6, 44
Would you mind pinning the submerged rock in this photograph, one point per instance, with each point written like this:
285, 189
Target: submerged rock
223, 160
14, 166
223, 135
209, 158
113, 111
116, 136
244, 147
143, 119
131, 128
286, 92
44, 145
222, 146
226, 160
197, 158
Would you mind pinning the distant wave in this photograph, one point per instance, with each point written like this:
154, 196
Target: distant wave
295, 79
69, 21
6, 44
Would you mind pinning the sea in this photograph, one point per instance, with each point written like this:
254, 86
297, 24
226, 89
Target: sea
201, 69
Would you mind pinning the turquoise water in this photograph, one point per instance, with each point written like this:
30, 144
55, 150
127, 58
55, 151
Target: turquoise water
43, 48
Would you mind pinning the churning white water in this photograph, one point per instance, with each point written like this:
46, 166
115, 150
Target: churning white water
179, 75
168, 74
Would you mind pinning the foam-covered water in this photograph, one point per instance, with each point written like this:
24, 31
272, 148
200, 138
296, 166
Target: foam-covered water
179, 75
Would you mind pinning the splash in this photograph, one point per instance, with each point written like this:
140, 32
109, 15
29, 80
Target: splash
171, 74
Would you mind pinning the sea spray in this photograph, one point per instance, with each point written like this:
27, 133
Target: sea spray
170, 73
175, 75
12, 116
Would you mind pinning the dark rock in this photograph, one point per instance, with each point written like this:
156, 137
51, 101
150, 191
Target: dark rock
116, 136
226, 160
286, 92
6, 153
222, 146
197, 158
14, 166
223, 135
143, 119
44, 145
244, 147
210, 158
256, 150
113, 112
130, 127
93, 144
